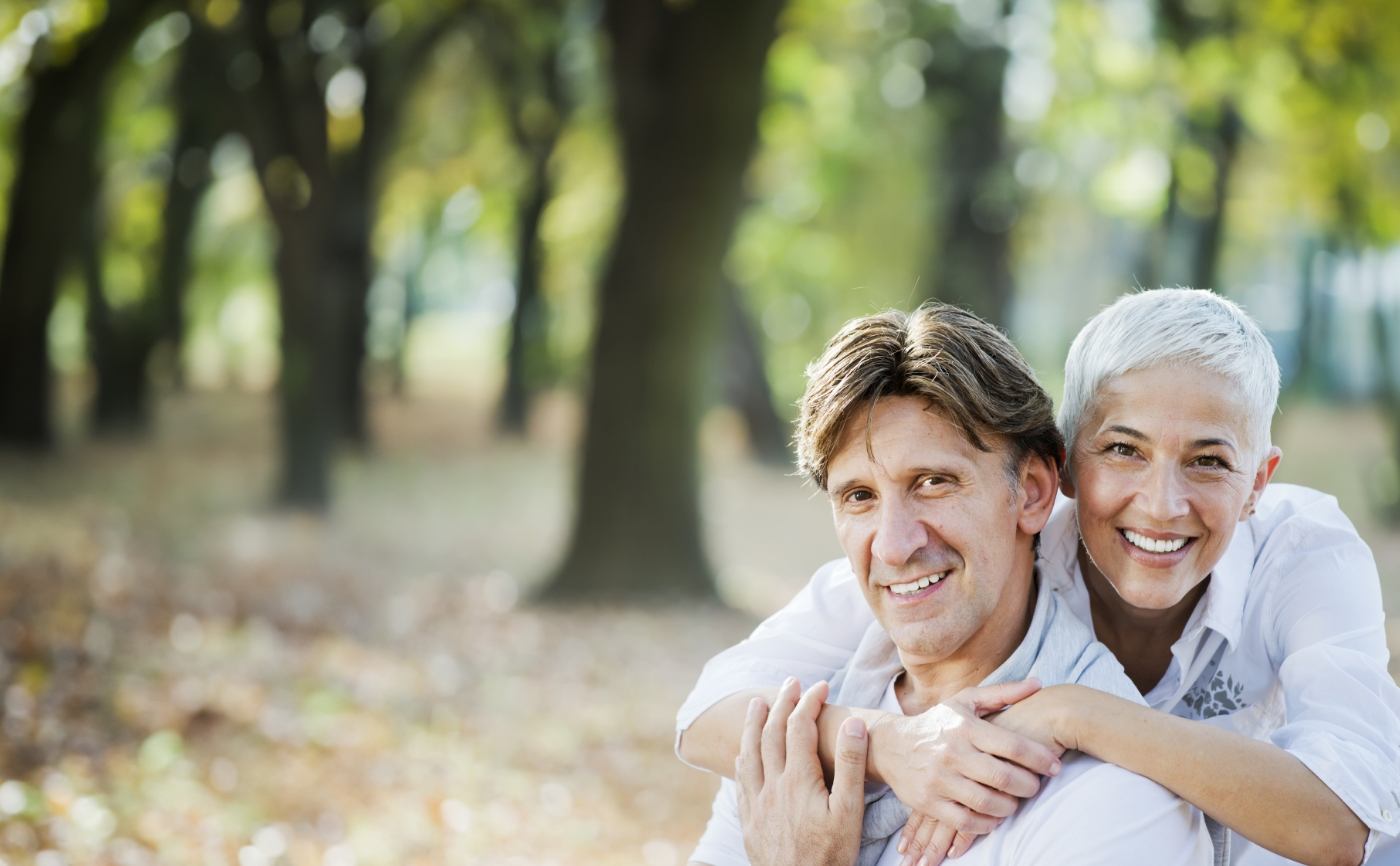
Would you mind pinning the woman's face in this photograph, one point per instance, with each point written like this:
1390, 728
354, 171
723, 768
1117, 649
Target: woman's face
1163, 470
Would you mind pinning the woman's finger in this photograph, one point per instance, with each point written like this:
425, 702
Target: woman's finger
1008, 745
988, 699
999, 775
977, 797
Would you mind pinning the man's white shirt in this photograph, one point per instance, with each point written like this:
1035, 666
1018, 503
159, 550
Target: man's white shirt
1091, 813
1287, 645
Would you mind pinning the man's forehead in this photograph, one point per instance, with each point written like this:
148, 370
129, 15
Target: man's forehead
909, 427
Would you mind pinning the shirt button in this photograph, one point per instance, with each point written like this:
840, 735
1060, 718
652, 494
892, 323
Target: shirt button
1385, 814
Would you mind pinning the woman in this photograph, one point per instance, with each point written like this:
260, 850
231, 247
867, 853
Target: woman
1248, 615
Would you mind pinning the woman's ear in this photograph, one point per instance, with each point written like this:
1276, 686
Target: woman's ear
1067, 482
1266, 470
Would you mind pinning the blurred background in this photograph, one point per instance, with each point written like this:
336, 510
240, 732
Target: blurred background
395, 394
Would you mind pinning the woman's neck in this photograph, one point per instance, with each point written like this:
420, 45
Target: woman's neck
1141, 638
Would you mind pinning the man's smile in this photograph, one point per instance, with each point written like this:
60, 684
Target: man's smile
917, 589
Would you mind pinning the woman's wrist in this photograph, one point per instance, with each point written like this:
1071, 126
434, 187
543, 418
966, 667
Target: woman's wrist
1071, 711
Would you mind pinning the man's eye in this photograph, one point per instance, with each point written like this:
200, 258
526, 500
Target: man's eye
859, 496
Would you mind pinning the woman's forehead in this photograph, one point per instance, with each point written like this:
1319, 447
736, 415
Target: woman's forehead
1182, 397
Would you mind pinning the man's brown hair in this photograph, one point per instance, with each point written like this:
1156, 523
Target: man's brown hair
966, 369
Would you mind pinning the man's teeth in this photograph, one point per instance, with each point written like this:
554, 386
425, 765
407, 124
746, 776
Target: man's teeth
1154, 545
916, 585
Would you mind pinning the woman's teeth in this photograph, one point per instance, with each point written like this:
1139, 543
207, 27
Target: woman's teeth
1154, 545
915, 585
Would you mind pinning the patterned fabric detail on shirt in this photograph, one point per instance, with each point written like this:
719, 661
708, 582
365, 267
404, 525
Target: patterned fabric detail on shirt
1223, 694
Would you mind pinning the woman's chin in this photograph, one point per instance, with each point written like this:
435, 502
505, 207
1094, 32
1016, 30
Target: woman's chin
1154, 597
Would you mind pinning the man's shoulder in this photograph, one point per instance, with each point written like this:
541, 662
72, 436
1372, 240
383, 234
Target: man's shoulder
1071, 654
1102, 811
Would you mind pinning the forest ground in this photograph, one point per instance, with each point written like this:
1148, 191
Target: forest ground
193, 678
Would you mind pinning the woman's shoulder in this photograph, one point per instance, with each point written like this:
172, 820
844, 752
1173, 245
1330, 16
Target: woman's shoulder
1291, 519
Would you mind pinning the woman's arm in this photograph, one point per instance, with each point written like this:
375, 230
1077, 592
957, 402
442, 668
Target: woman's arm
947, 762
810, 638
1255, 788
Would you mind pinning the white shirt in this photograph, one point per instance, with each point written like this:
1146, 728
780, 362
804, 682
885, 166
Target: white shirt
1110, 812
1287, 645
1091, 813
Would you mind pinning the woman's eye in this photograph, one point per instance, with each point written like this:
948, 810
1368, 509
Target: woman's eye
859, 496
1210, 461
1122, 449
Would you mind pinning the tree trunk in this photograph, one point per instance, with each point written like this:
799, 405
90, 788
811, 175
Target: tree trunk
527, 319
1224, 145
688, 85
120, 342
197, 131
971, 263
352, 274
746, 382
522, 50
283, 116
56, 177
309, 319
390, 71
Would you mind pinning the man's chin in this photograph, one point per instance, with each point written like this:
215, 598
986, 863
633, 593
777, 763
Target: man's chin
917, 646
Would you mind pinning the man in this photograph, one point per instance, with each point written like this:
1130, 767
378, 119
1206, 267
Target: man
940, 456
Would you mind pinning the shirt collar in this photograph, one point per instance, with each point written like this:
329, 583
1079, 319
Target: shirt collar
1223, 605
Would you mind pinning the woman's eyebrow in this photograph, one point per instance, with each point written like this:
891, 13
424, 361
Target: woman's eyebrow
1126, 431
1208, 443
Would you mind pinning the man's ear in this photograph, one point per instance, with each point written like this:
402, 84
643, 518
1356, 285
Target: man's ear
1039, 479
1266, 470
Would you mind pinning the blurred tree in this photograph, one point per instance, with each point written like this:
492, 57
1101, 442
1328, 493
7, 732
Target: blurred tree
319, 92
198, 127
282, 112
522, 46
969, 261
122, 339
1209, 136
389, 61
56, 181
688, 87
745, 380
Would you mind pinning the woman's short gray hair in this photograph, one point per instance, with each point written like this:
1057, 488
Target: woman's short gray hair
1183, 327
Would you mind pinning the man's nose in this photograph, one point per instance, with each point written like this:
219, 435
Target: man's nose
1166, 493
900, 534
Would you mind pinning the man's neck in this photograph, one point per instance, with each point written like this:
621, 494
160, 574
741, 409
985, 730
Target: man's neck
925, 683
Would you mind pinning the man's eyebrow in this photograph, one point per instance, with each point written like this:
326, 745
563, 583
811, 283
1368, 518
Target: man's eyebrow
841, 490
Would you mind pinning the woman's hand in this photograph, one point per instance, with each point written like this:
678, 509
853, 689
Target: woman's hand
1044, 717
960, 769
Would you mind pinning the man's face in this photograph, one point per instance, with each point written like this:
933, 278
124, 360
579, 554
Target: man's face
938, 536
